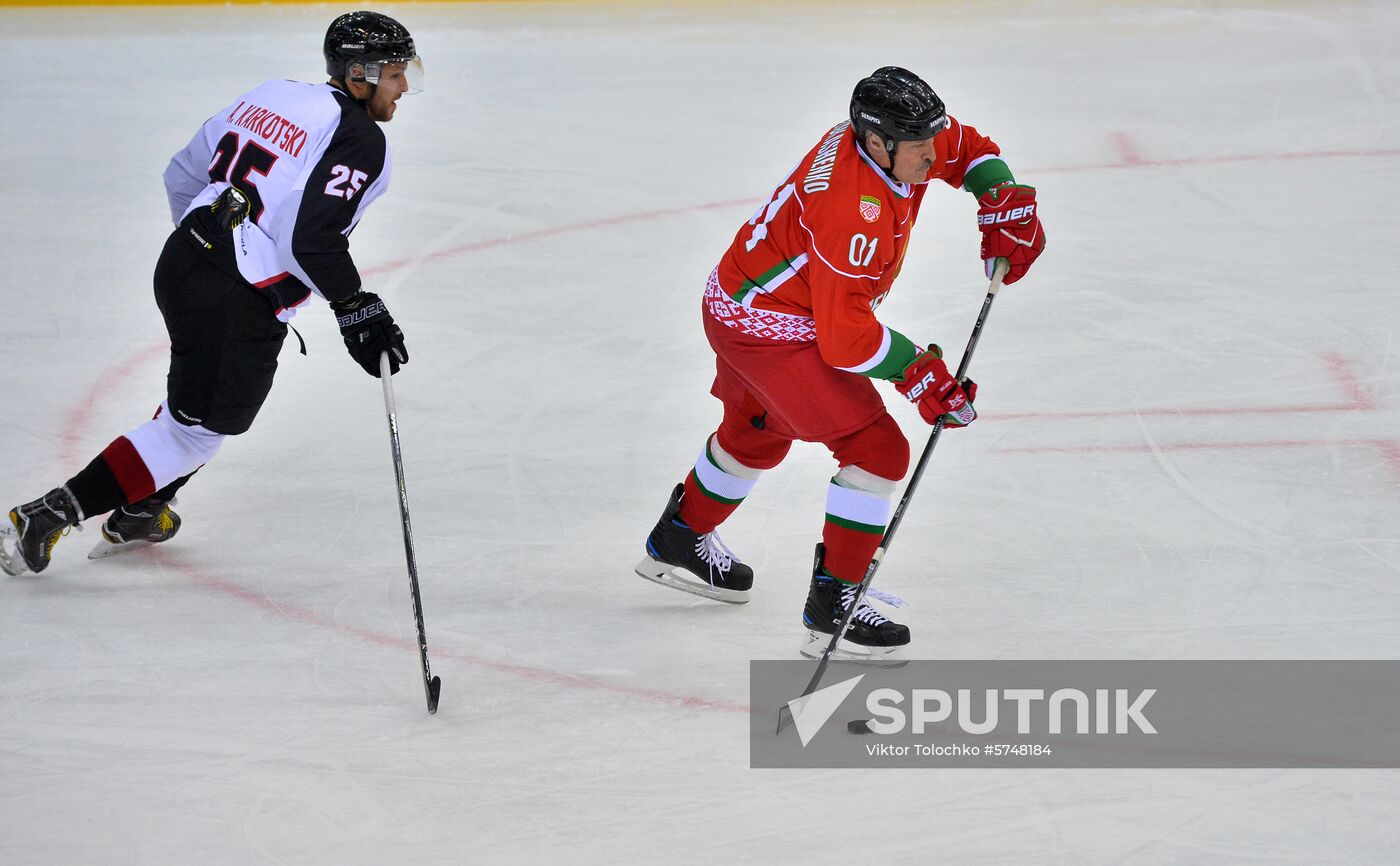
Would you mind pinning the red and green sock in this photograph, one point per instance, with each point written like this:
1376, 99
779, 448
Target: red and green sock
857, 510
715, 487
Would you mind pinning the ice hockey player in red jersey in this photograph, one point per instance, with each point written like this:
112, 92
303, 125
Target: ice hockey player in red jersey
264, 198
790, 315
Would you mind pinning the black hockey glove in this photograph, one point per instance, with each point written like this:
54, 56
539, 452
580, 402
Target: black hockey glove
230, 208
368, 330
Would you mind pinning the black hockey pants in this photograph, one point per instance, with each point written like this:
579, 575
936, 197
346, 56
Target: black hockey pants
224, 338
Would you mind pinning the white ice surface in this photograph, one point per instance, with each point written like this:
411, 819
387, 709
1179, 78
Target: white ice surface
1190, 446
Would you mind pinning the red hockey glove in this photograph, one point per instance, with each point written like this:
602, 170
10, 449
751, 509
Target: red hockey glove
927, 382
1010, 229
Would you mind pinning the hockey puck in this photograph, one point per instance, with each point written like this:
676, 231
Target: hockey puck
858, 726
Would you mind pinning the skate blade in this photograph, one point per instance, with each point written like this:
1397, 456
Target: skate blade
882, 656
10, 561
667, 575
107, 548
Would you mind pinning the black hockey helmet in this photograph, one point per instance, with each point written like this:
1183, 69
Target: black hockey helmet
897, 105
368, 39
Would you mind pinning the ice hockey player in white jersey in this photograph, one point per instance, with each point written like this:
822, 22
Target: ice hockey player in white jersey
264, 198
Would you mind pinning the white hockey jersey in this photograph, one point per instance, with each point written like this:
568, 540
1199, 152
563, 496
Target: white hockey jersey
310, 160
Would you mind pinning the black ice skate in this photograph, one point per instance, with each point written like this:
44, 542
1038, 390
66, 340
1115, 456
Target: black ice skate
28, 537
700, 564
870, 638
149, 521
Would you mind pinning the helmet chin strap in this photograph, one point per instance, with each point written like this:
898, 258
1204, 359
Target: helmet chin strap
890, 145
345, 88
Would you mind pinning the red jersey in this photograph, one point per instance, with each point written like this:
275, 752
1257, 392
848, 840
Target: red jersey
820, 256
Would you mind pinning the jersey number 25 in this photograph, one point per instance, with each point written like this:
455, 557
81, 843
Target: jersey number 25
345, 182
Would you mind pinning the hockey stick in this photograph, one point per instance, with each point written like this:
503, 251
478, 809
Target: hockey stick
432, 686
785, 712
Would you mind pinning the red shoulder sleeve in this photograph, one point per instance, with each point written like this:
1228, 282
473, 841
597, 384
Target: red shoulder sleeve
957, 149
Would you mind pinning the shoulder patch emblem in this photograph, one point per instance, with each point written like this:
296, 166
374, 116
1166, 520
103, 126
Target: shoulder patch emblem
869, 208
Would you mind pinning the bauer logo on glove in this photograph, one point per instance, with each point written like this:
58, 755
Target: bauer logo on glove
1010, 229
927, 384
1025, 212
918, 388
362, 314
368, 331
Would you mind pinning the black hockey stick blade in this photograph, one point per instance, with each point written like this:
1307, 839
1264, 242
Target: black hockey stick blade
784, 718
434, 690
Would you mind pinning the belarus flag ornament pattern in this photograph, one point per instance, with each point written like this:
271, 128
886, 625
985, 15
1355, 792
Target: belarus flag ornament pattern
869, 208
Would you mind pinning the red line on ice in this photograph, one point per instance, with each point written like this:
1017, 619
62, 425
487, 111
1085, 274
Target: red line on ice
547, 675
588, 225
1389, 448
1148, 448
1180, 411
1391, 451
72, 443
1145, 448
1126, 147
475, 246
1338, 366
1217, 160
1342, 371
